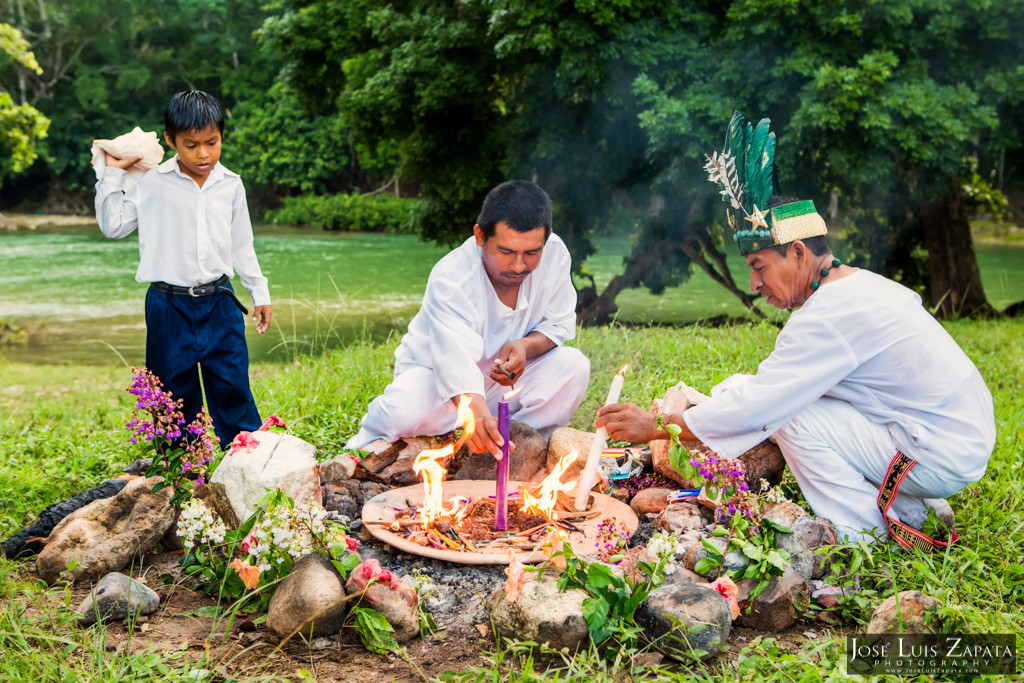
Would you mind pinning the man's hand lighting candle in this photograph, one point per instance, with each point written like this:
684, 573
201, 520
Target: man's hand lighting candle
589, 475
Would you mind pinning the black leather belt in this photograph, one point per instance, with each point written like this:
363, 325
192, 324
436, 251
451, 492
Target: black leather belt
207, 289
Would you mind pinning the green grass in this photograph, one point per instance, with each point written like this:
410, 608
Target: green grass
61, 431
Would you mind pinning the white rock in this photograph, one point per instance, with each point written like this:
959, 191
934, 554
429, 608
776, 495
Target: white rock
280, 461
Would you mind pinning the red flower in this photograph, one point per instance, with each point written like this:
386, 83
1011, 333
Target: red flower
244, 441
352, 544
272, 421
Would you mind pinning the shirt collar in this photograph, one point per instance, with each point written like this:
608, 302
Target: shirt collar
171, 166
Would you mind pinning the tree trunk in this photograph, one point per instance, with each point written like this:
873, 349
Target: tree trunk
955, 287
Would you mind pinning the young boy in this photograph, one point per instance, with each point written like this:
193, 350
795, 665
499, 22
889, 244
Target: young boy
194, 232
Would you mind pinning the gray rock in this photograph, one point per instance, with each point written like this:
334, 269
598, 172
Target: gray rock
778, 606
338, 468
243, 477
815, 533
734, 559
107, 534
310, 601
907, 612
681, 575
543, 614
678, 518
526, 462
686, 621
801, 558
115, 597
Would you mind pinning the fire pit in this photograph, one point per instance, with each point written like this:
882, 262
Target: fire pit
381, 513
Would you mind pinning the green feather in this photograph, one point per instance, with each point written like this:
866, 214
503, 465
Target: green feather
760, 162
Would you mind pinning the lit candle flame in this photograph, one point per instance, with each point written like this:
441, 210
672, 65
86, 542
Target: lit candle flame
624, 368
507, 396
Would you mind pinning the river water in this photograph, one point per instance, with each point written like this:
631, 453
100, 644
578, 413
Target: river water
76, 293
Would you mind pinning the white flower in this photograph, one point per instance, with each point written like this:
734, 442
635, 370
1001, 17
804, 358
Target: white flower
662, 546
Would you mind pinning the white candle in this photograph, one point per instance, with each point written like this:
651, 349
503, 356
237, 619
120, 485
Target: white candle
589, 475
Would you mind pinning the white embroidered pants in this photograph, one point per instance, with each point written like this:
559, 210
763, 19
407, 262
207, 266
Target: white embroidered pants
839, 458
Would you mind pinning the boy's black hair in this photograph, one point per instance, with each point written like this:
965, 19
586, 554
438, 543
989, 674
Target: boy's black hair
522, 205
192, 110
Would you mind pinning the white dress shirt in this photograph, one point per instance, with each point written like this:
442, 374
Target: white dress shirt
188, 235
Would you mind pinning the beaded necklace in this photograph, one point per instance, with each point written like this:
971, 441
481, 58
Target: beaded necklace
825, 271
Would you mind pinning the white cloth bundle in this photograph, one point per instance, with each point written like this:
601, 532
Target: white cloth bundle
137, 143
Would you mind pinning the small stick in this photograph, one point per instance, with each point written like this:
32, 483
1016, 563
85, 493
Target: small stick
531, 532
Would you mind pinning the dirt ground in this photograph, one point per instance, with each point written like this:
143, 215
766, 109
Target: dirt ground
239, 648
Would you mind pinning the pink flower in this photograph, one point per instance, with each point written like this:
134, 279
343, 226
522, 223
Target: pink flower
352, 544
243, 442
248, 542
272, 421
728, 590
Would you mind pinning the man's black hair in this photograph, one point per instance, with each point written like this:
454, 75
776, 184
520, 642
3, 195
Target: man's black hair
520, 204
817, 244
192, 110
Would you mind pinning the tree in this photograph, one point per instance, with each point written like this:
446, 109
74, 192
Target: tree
22, 126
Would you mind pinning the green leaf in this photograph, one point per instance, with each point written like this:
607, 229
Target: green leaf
207, 612
374, 630
711, 548
705, 565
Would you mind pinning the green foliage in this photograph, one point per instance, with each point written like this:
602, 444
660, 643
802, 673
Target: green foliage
613, 599
348, 212
374, 630
22, 126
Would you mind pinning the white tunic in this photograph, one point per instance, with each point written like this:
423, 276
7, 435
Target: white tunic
462, 324
453, 340
868, 341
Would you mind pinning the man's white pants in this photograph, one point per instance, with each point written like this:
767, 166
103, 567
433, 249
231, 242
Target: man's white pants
839, 459
551, 389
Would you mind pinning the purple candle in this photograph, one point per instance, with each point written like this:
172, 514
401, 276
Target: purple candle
501, 485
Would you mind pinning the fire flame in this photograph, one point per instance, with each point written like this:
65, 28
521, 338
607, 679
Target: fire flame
428, 465
543, 503
510, 394
624, 368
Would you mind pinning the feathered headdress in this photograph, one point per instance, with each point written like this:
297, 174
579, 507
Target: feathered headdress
748, 176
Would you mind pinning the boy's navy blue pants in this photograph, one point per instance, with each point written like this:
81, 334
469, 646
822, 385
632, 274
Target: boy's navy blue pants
183, 331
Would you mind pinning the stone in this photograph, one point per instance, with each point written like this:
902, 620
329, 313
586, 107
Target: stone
907, 612
278, 461
339, 468
816, 532
680, 575
764, 461
107, 534
565, 440
382, 454
117, 596
341, 499
650, 501
778, 606
784, 513
679, 518
382, 591
686, 621
801, 558
542, 614
310, 601
734, 559
526, 462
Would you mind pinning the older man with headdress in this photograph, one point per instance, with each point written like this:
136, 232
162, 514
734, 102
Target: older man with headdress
876, 409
